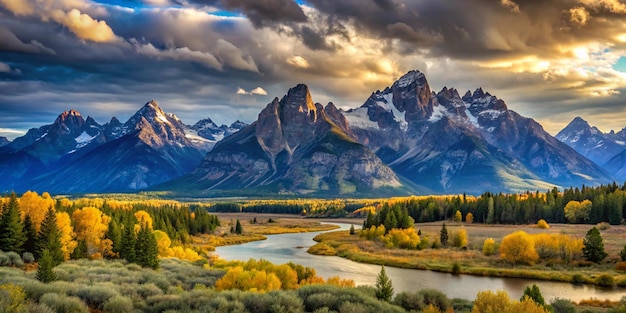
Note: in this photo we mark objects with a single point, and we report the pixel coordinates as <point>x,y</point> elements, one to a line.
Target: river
<point>284,248</point>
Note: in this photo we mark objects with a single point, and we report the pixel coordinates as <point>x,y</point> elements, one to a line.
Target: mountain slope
<point>152,149</point>
<point>470,144</point>
<point>295,147</point>
<point>591,142</point>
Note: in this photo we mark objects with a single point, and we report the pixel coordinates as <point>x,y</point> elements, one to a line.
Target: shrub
<point>118,304</point>
<point>350,307</point>
<point>620,266</point>
<point>63,304</point>
<point>456,268</point>
<point>605,280</point>
<point>4,259</point>
<point>15,258</point>
<point>28,257</point>
<point>96,296</point>
<point>603,226</point>
<point>621,283</point>
<point>459,238</point>
<point>409,301</point>
<point>563,306</point>
<point>542,224</point>
<point>320,300</point>
<point>579,279</point>
<point>12,298</point>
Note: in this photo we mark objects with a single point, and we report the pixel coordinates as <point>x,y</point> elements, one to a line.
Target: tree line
<point>52,231</point>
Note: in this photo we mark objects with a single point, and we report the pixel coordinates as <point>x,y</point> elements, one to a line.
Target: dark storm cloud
<point>478,29</point>
<point>261,12</point>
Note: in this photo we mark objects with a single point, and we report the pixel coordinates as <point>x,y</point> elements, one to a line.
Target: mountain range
<point>77,155</point>
<point>405,139</point>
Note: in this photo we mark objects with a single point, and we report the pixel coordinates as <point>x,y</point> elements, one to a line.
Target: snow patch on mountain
<point>439,111</point>
<point>83,139</point>
<point>358,118</point>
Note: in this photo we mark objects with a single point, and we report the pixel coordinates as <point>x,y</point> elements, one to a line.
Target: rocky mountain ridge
<point>295,147</point>
<point>448,143</point>
<point>74,154</point>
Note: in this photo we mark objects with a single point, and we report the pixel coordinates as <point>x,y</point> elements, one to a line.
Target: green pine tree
<point>534,293</point>
<point>80,252</point>
<point>146,249</point>
<point>49,238</point>
<point>30,245</point>
<point>114,233</point>
<point>593,249</point>
<point>384,286</point>
<point>352,231</point>
<point>622,254</point>
<point>238,228</point>
<point>12,236</point>
<point>127,243</point>
<point>443,236</point>
<point>45,273</point>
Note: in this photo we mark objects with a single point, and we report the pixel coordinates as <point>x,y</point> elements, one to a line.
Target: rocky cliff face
<point>296,147</point>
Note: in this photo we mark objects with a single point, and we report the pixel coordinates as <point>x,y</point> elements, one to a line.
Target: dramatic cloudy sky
<point>550,60</point>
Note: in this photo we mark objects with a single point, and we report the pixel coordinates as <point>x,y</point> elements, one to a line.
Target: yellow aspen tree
<point>163,244</point>
<point>490,302</point>
<point>33,205</point>
<point>469,218</point>
<point>489,246</point>
<point>90,225</point>
<point>143,217</point>
<point>68,243</point>
<point>518,248</point>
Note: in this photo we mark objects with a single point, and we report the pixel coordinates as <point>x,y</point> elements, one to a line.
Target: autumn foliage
<point>518,248</point>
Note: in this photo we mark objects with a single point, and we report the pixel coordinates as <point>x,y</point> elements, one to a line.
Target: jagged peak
<point>298,98</point>
<point>67,114</point>
<point>114,121</point>
<point>331,106</point>
<point>409,78</point>
<point>478,93</point>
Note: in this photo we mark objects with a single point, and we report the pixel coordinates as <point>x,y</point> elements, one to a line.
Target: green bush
<point>350,307</point>
<point>456,268</point>
<point>28,257</point>
<point>563,306</point>
<point>15,259</point>
<point>63,304</point>
<point>39,308</point>
<point>320,300</point>
<point>579,278</point>
<point>4,259</point>
<point>461,305</point>
<point>118,304</point>
<point>95,296</point>
<point>605,280</point>
<point>409,301</point>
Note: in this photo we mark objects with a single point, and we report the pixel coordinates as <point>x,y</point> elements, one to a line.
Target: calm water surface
<point>284,248</point>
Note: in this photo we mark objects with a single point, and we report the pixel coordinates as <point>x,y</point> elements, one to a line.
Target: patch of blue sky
<point>620,65</point>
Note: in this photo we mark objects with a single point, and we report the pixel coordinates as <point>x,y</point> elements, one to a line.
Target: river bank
<point>255,228</point>
<point>471,261</point>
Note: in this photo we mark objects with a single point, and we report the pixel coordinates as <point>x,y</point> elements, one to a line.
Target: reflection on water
<point>285,248</point>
